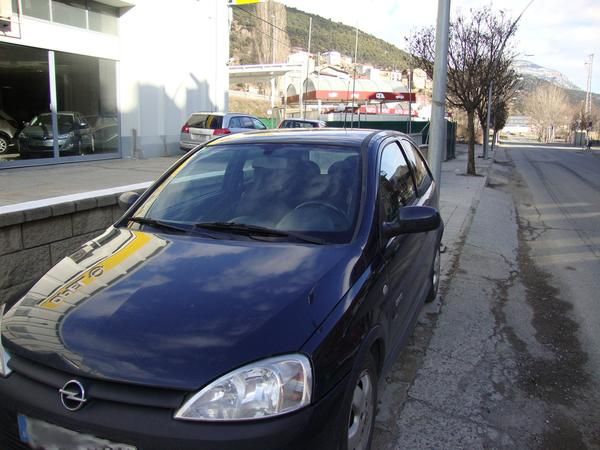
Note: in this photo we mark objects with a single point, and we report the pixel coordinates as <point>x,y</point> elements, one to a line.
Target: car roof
<point>220,114</point>
<point>328,136</point>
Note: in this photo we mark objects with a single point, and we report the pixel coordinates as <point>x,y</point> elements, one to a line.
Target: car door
<point>401,253</point>
<point>235,124</point>
<point>426,197</point>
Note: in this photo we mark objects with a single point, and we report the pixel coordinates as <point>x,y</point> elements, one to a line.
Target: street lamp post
<point>437,130</point>
<point>486,136</point>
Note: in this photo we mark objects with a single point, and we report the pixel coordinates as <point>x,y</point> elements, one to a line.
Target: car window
<point>210,121</point>
<point>235,122</point>
<point>258,124</point>
<point>188,186</point>
<point>396,186</point>
<point>246,122</point>
<point>422,177</point>
<point>304,188</point>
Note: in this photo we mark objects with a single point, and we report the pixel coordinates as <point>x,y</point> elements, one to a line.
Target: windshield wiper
<point>158,224</point>
<point>255,230</point>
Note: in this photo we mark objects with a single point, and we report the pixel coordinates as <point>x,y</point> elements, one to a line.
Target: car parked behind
<point>302,123</point>
<point>250,299</point>
<point>201,127</point>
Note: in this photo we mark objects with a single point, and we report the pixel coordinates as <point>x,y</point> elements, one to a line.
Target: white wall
<point>173,59</point>
<point>53,36</point>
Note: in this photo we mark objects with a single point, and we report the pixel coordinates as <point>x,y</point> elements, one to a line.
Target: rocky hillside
<point>250,39</point>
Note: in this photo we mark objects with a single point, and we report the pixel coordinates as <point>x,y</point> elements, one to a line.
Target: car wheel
<point>435,278</point>
<point>3,145</point>
<point>359,413</point>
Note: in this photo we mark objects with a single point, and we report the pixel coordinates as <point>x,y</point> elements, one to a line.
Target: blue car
<point>250,299</point>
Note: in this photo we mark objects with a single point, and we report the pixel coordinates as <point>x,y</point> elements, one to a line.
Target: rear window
<point>210,121</point>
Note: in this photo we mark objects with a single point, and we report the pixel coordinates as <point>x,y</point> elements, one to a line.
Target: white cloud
<point>560,35</point>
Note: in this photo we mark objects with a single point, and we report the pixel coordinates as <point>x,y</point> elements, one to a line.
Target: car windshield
<point>65,122</point>
<point>308,190</point>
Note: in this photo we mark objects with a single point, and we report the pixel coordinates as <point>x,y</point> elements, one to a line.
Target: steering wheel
<point>341,217</point>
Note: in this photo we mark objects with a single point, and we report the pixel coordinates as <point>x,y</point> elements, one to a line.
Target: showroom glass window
<point>86,122</point>
<point>87,14</point>
<point>92,120</point>
<point>24,95</point>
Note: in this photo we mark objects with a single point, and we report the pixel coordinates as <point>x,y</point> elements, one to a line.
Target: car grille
<point>9,432</point>
<point>99,390</point>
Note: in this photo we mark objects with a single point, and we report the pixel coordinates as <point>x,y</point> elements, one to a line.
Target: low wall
<point>33,240</point>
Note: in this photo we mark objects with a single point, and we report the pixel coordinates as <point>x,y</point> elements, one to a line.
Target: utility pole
<point>354,77</point>
<point>486,134</point>
<point>307,65</point>
<point>410,98</point>
<point>272,60</point>
<point>588,94</point>
<point>437,130</point>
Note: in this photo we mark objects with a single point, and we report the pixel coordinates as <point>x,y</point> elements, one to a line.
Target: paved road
<point>559,212</point>
<point>512,360</point>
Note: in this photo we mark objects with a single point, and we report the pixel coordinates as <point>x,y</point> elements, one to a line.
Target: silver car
<point>8,131</point>
<point>203,126</point>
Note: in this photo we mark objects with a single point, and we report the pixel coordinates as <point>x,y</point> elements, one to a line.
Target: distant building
<point>391,75</point>
<point>517,125</point>
<point>332,58</point>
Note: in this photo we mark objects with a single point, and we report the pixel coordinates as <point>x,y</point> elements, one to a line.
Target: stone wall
<point>33,240</point>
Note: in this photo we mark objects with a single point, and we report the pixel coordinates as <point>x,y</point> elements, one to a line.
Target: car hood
<point>173,311</point>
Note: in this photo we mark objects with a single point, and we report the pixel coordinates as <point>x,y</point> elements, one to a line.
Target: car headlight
<point>266,388</point>
<point>4,357</point>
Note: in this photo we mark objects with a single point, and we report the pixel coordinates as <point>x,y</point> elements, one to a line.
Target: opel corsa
<point>250,299</point>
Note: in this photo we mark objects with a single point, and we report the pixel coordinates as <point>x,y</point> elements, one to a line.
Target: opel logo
<point>72,395</point>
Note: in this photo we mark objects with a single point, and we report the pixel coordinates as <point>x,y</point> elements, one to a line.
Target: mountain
<point>534,76</point>
<point>248,29</point>
<point>530,69</point>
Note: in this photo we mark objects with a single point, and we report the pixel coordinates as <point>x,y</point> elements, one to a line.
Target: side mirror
<point>413,219</point>
<point>127,199</point>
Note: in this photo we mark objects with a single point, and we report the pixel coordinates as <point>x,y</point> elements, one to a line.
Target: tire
<point>359,408</point>
<point>435,277</point>
<point>4,142</point>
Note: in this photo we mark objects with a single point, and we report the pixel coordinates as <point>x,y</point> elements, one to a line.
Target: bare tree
<point>548,108</point>
<point>478,45</point>
<point>504,82</point>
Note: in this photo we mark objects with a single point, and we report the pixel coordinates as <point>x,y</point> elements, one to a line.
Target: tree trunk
<point>494,139</point>
<point>471,137</point>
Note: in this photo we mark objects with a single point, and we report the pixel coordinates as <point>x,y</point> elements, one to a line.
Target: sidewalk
<point>459,199</point>
<point>22,185</point>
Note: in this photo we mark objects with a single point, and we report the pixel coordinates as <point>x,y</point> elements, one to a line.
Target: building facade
<point>94,79</point>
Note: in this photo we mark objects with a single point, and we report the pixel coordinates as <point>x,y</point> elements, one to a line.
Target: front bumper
<point>155,428</point>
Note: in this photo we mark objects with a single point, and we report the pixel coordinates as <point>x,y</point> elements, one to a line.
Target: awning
<point>338,90</point>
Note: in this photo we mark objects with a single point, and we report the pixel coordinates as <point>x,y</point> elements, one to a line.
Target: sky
<point>556,34</point>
